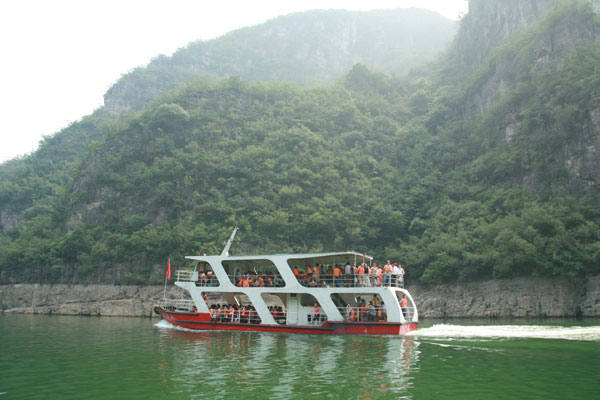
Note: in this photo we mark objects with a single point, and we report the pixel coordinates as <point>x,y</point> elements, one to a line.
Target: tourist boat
<point>291,293</point>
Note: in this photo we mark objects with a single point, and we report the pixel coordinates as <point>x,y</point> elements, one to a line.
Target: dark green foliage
<point>393,166</point>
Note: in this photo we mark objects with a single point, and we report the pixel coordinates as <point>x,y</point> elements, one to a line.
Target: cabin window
<point>366,307</point>
<point>253,273</point>
<point>206,276</point>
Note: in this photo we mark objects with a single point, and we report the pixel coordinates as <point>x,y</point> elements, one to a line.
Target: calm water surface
<point>61,357</point>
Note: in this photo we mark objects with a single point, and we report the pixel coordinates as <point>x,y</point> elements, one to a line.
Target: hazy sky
<point>59,57</point>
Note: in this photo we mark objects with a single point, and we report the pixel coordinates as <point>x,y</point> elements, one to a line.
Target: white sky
<point>59,57</point>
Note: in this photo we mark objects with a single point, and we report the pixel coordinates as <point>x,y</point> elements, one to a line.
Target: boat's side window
<point>255,273</point>
<point>366,307</point>
<point>206,276</point>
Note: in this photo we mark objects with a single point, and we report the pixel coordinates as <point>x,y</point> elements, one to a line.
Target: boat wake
<point>588,333</point>
<point>164,324</point>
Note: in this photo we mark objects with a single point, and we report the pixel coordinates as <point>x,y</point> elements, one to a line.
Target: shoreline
<point>505,298</point>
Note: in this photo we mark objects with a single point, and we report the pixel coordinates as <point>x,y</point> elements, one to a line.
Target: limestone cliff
<point>542,297</point>
<point>512,54</point>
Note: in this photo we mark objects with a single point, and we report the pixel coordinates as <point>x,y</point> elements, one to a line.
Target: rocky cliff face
<point>542,297</point>
<point>506,46</point>
<point>506,41</point>
<point>490,22</point>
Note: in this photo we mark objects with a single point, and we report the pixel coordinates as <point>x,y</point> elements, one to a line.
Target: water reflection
<point>284,366</point>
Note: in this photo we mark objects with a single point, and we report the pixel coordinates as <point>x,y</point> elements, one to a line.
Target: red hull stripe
<point>201,322</point>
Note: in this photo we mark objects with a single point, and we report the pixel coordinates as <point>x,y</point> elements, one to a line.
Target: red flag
<point>169,270</point>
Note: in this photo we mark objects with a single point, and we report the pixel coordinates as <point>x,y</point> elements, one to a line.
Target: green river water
<point>63,357</point>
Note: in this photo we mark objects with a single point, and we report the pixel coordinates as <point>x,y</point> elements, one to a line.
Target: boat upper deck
<point>312,270</point>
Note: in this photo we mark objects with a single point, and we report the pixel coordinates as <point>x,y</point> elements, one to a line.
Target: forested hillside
<point>481,165</point>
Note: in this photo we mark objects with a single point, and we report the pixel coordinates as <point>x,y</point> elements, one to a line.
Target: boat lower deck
<point>204,322</point>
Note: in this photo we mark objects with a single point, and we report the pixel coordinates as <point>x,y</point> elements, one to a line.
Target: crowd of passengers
<point>257,279</point>
<point>246,314</point>
<point>373,311</point>
<point>351,275</point>
<point>207,278</point>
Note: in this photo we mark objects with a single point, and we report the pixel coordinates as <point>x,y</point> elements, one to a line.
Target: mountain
<point>480,165</point>
<point>309,48</point>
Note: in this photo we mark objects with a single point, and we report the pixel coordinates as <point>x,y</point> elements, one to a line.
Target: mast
<point>225,252</point>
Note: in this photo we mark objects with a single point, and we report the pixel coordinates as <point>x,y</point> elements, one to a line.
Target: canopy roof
<point>297,259</point>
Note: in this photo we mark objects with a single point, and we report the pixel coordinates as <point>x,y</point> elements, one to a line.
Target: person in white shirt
<point>395,275</point>
<point>401,276</point>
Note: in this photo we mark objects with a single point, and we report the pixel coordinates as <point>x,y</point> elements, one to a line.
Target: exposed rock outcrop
<point>521,297</point>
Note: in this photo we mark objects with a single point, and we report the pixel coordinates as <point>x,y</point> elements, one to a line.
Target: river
<point>68,357</point>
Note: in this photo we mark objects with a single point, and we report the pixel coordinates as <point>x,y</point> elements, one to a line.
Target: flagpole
<point>167,276</point>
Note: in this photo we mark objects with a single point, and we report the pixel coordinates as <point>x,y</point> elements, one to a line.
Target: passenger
<point>244,315</point>
<point>354,316</point>
<point>337,275</point>
<point>303,278</point>
<point>277,281</point>
<point>348,275</point>
<point>371,313</point>
<point>282,313</point>
<point>363,311</point>
<point>362,275</point>
<point>348,311</point>
<point>231,313</point>
<point>366,280</point>
<point>317,316</point>
<point>395,275</point>
<point>317,272</point>
<point>201,279</point>
<point>309,270</point>
<point>379,276</point>
<point>403,304</point>
<point>387,274</point>
<point>218,312</point>
<point>329,278</point>
<point>401,276</point>
<point>211,310</point>
<point>354,275</point>
<point>312,281</point>
<point>225,313</point>
<point>373,275</point>
<point>234,313</point>
<point>296,272</point>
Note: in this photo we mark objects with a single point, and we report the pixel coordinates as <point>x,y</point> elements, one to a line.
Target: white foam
<point>164,324</point>
<point>591,333</point>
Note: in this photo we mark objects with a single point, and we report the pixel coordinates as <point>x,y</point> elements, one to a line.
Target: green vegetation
<point>392,166</point>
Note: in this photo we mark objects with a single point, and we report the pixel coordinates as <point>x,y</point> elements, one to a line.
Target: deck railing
<point>314,280</point>
<point>321,280</point>
<point>177,304</point>
<point>374,314</point>
<point>185,275</point>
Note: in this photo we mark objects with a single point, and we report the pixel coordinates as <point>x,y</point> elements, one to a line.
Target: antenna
<point>225,252</point>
